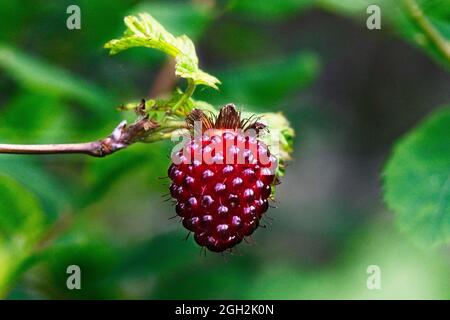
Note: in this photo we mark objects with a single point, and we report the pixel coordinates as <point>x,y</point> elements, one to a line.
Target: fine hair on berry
<point>222,178</point>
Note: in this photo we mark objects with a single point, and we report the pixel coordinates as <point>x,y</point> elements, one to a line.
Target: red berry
<point>222,180</point>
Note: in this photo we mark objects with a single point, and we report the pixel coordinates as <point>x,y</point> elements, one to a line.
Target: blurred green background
<point>349,92</point>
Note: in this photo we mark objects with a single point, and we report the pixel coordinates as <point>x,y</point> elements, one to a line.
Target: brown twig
<point>165,80</point>
<point>122,136</point>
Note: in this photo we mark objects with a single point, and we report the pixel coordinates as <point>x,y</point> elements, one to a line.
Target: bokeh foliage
<point>59,85</point>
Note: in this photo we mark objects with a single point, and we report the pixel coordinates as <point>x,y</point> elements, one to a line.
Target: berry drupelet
<point>222,178</point>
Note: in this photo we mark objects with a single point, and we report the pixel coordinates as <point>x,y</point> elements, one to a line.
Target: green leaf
<point>190,18</point>
<point>214,279</point>
<point>203,105</point>
<point>407,272</point>
<point>103,175</point>
<point>51,192</point>
<point>21,214</point>
<point>348,7</point>
<point>48,121</point>
<point>398,16</point>
<point>267,84</point>
<point>96,257</point>
<point>21,222</point>
<point>417,181</point>
<point>405,21</point>
<point>37,75</point>
<point>161,254</point>
<point>145,31</point>
<point>12,22</point>
<point>280,133</point>
<point>273,9</point>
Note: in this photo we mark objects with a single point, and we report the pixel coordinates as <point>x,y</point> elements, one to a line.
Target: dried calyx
<point>228,118</point>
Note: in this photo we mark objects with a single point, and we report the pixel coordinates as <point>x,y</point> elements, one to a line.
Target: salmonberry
<point>222,178</point>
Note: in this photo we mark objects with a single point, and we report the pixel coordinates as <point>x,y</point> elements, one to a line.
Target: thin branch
<point>165,79</point>
<point>119,139</point>
<point>442,44</point>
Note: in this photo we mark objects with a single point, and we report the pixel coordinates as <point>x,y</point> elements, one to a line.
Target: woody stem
<point>122,136</point>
